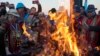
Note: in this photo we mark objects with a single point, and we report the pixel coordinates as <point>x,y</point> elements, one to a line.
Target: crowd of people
<point>39,25</point>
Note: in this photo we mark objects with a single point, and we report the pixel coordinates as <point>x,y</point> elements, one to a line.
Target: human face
<point>12,18</point>
<point>90,14</point>
<point>33,11</point>
<point>21,11</point>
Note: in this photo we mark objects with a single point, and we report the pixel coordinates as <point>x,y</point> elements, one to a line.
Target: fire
<point>25,31</point>
<point>65,43</point>
<point>66,39</point>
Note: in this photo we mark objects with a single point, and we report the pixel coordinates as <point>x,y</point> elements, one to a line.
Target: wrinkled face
<point>33,11</point>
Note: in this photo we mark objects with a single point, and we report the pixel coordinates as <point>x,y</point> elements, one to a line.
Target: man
<point>33,14</point>
<point>14,32</point>
<point>3,20</point>
<point>93,20</point>
<point>33,9</point>
<point>52,14</point>
<point>22,10</point>
<point>83,11</point>
<point>78,19</point>
<point>2,9</point>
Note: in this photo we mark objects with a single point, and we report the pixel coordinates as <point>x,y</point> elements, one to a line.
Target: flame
<point>98,48</point>
<point>63,41</point>
<point>66,39</point>
<point>25,31</point>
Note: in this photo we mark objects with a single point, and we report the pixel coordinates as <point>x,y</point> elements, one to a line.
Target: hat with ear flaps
<point>13,12</point>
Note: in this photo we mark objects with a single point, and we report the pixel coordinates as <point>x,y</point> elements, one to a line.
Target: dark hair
<point>3,12</point>
<point>98,12</point>
<point>25,10</point>
<point>53,10</point>
<point>3,4</point>
<point>33,8</point>
<point>11,6</point>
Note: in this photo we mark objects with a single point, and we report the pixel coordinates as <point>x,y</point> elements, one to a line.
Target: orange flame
<point>64,36</point>
<point>66,39</point>
<point>25,31</point>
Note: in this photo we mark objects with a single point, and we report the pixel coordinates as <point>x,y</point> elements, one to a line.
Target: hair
<point>53,10</point>
<point>33,8</point>
<point>3,12</point>
<point>25,10</point>
<point>12,6</point>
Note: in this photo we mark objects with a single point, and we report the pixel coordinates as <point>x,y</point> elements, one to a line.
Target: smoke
<point>66,4</point>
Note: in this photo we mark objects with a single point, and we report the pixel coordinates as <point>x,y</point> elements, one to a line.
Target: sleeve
<point>39,8</point>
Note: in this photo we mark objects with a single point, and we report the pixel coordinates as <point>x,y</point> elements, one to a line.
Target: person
<point>22,11</point>
<point>52,15</point>
<point>33,18</point>
<point>44,24</point>
<point>14,32</point>
<point>33,14</point>
<point>83,12</point>
<point>92,20</point>
<point>78,19</point>
<point>33,9</point>
<point>2,9</point>
<point>3,19</point>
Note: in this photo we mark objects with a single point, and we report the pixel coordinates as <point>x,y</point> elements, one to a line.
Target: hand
<point>36,2</point>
